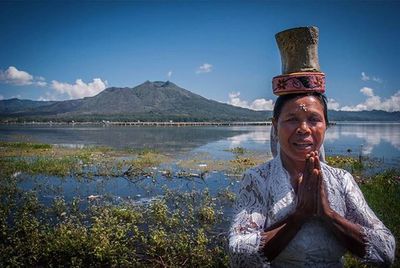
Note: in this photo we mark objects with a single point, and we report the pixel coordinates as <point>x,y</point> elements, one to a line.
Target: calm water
<point>380,141</point>
<point>369,139</point>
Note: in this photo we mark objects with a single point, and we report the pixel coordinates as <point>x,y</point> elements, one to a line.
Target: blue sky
<point>222,50</point>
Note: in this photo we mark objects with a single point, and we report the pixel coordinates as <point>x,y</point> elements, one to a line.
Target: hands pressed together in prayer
<point>312,199</point>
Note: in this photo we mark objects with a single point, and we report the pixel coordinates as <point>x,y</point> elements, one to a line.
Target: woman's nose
<point>303,128</point>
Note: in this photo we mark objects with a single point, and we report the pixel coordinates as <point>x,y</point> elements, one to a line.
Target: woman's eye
<point>315,119</point>
<point>291,119</point>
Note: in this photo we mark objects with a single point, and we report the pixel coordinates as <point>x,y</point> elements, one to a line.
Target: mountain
<point>153,101</point>
<point>150,101</point>
<point>374,115</point>
<point>15,105</point>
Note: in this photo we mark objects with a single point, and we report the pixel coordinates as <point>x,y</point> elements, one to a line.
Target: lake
<point>373,140</point>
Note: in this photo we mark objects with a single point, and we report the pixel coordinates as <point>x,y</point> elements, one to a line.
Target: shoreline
<point>182,124</point>
<point>143,123</point>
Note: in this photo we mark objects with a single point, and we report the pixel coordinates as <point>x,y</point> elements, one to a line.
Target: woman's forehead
<point>303,103</point>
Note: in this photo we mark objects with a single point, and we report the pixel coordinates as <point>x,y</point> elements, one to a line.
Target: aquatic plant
<point>241,164</point>
<point>226,195</point>
<point>24,145</point>
<point>174,229</point>
<point>39,165</point>
<point>351,164</point>
<point>382,192</point>
<point>238,150</point>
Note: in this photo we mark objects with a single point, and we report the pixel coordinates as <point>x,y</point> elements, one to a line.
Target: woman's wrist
<point>328,216</point>
<point>299,217</point>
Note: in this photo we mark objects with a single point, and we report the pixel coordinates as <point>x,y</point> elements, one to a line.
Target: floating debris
<point>16,174</point>
<point>92,198</point>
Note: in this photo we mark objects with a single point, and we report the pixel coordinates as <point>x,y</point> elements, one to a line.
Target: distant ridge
<point>153,101</point>
<point>150,101</point>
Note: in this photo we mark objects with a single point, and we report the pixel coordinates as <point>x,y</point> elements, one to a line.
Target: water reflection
<point>368,139</point>
<point>260,135</point>
<point>375,140</point>
<point>160,138</point>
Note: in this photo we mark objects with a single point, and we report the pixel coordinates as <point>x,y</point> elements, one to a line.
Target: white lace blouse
<point>266,197</point>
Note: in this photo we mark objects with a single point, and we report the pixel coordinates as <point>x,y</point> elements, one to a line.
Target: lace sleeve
<point>380,243</point>
<point>248,222</point>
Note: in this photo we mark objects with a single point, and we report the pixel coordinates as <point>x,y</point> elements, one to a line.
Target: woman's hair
<point>281,100</point>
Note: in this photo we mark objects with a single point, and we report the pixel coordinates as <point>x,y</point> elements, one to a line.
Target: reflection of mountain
<point>374,115</point>
<point>159,138</point>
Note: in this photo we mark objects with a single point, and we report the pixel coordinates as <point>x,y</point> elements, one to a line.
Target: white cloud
<point>374,102</point>
<point>205,68</point>
<point>1,97</point>
<point>41,81</point>
<point>80,89</point>
<point>369,92</point>
<point>377,79</point>
<point>41,84</point>
<point>42,98</point>
<point>48,97</point>
<point>333,104</point>
<point>20,78</point>
<point>365,77</point>
<point>16,77</point>
<point>258,104</point>
<point>262,104</point>
<point>169,75</point>
<point>16,96</point>
<point>236,101</point>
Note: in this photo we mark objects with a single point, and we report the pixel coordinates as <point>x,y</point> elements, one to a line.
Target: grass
<point>382,193</point>
<point>178,229</point>
<point>242,160</point>
<point>174,231</point>
<point>24,145</point>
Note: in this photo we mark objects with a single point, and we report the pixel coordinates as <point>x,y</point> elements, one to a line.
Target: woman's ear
<point>274,143</point>
<point>275,125</point>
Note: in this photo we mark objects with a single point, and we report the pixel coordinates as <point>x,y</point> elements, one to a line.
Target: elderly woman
<point>295,210</point>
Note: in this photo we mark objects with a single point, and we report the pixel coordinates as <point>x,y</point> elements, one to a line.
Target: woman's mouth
<point>303,145</point>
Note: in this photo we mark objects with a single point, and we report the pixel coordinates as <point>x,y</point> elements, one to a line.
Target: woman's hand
<point>308,187</point>
<point>324,210</point>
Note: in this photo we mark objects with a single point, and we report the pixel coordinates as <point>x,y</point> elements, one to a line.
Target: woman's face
<point>301,127</point>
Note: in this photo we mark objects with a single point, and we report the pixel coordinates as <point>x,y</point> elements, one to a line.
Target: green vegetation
<point>238,150</point>
<point>174,229</point>
<point>349,163</point>
<point>24,145</point>
<point>156,235</point>
<point>148,159</point>
<point>242,160</point>
<point>355,166</point>
<point>382,192</point>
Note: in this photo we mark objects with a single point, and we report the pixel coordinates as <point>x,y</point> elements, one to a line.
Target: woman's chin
<point>301,156</point>
<point>301,152</point>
